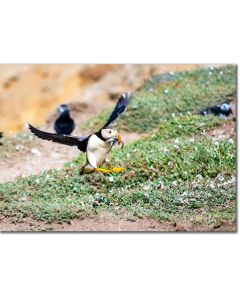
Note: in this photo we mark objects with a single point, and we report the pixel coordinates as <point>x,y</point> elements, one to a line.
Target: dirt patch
<point>226,130</point>
<point>108,222</point>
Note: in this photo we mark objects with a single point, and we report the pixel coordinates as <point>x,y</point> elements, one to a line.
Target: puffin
<point>1,135</point>
<point>64,124</point>
<point>222,110</point>
<point>97,145</point>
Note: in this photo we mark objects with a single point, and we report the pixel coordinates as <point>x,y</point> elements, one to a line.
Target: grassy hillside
<point>168,94</point>
<point>175,172</point>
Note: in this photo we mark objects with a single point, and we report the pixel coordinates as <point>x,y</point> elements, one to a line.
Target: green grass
<point>166,94</point>
<point>175,172</point>
<point>16,144</point>
<point>167,158</point>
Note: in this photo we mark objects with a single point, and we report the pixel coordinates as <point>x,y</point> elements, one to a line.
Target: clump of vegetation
<point>159,169</point>
<point>167,94</point>
<point>175,172</point>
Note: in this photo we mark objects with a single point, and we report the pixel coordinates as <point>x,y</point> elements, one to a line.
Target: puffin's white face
<point>111,135</point>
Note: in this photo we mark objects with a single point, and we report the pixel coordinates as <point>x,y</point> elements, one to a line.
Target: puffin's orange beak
<point>120,140</point>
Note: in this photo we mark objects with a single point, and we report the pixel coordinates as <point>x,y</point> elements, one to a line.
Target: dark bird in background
<point>222,110</point>
<point>64,124</point>
<point>96,145</point>
<point>1,135</point>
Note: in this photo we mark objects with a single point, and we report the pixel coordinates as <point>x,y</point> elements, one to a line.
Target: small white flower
<point>146,188</point>
<point>221,178</point>
<point>37,181</point>
<point>128,155</point>
<point>111,179</point>
<point>232,180</point>
<point>176,141</point>
<point>165,150</point>
<point>230,141</point>
<point>24,198</point>
<point>174,183</point>
<point>199,177</point>
<point>221,72</point>
<point>209,73</point>
<point>173,115</point>
<point>212,185</point>
<point>171,73</point>
<point>166,91</point>
<point>91,199</point>
<point>97,196</point>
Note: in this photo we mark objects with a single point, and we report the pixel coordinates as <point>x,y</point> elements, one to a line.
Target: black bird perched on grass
<point>222,110</point>
<point>64,124</point>
<point>96,145</point>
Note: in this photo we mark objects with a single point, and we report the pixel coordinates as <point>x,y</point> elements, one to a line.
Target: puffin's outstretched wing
<point>119,108</point>
<point>80,142</point>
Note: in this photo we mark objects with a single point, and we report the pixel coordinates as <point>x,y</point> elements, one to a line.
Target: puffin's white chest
<point>96,150</point>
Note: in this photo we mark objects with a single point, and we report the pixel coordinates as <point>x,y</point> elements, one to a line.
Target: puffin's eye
<point>109,131</point>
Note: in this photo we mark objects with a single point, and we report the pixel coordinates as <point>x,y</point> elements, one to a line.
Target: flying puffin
<point>96,145</point>
<point>222,110</point>
<point>64,124</point>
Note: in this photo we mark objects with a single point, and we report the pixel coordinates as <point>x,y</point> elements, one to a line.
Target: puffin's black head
<point>63,109</point>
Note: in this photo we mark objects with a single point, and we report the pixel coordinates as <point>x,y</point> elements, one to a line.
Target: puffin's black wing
<point>80,142</point>
<point>120,107</point>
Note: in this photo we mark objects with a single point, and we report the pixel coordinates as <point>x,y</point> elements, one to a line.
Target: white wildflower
<point>176,141</point>
<point>97,196</point>
<point>199,177</point>
<point>174,183</point>
<point>212,185</point>
<point>91,199</point>
<point>146,188</point>
<point>220,178</point>
<point>111,178</point>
